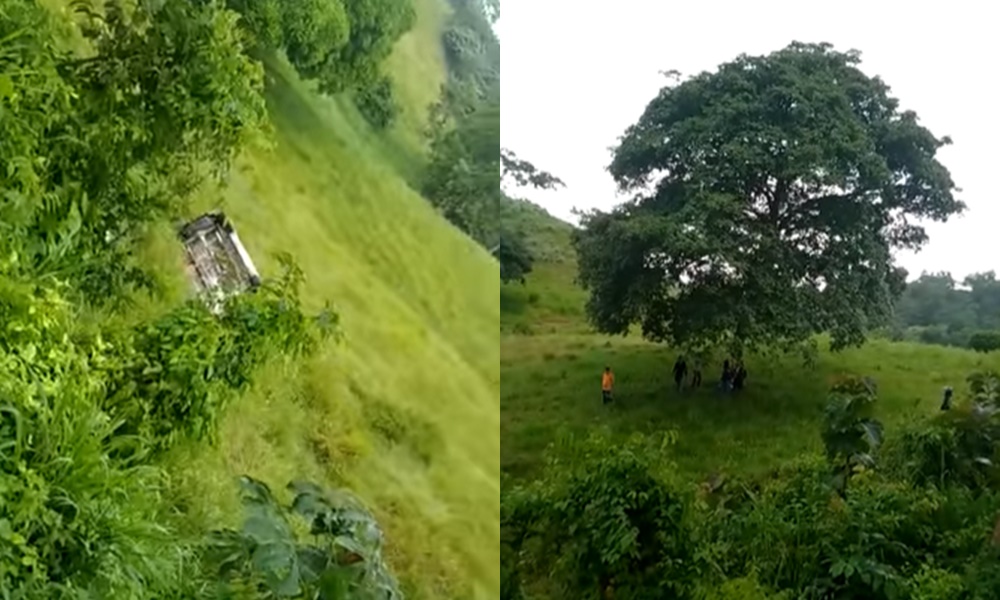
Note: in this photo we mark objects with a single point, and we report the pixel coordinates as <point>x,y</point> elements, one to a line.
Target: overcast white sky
<point>576,74</point>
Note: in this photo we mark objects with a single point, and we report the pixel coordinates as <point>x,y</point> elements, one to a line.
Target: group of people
<point>734,376</point>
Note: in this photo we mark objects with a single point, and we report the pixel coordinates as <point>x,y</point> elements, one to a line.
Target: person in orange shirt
<point>607,384</point>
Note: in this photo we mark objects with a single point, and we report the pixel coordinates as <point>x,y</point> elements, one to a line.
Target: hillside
<point>403,411</point>
<point>328,429</point>
<point>551,361</point>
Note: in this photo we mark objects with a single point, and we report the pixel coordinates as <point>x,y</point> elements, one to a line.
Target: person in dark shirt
<point>740,377</point>
<point>946,401</point>
<point>727,377</point>
<point>680,370</point>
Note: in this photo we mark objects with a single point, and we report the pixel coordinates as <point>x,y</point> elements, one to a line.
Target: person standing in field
<point>680,370</point>
<point>727,377</point>
<point>739,377</point>
<point>607,384</point>
<point>696,373</point>
<point>946,400</point>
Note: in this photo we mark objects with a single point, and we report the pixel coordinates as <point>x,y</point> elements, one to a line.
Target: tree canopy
<point>768,197</point>
<point>338,43</point>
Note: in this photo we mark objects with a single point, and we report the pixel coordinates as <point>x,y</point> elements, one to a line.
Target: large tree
<point>768,197</point>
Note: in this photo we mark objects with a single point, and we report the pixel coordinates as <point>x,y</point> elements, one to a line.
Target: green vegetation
<point>129,411</point>
<point>344,560</point>
<point>936,309</point>
<point>339,44</point>
<point>812,482</point>
<point>461,179</point>
<point>762,226</point>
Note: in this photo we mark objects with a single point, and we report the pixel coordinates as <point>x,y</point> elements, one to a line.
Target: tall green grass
<point>551,363</point>
<point>405,410</point>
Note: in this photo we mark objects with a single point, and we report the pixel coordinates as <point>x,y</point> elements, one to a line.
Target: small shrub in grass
<point>960,446</point>
<point>522,328</point>
<point>850,435</point>
<point>985,341</point>
<point>377,103</point>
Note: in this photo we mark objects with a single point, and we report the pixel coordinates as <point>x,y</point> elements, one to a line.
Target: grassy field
<point>550,365</point>
<point>405,410</point>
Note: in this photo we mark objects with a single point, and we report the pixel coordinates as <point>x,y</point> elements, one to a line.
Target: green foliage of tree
<point>768,197</point>
<point>313,31</point>
<point>985,341</point>
<point>98,147</point>
<point>463,182</point>
<point>377,103</point>
<point>340,44</point>
<point>937,309</point>
<point>375,27</point>
<point>473,50</point>
<point>341,557</point>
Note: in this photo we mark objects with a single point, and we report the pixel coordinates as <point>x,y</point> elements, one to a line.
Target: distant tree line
<point>938,309</point>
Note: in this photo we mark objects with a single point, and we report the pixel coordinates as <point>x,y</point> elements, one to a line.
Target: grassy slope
<point>405,411</point>
<point>551,378</point>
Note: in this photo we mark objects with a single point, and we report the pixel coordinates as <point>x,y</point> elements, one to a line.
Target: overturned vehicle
<point>217,263</point>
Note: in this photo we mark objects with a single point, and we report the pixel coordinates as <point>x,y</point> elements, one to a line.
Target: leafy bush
<point>74,521</point>
<point>510,583</point>
<point>338,43</point>
<point>850,435</point>
<point>604,521</point>
<point>893,533</point>
<point>175,377</point>
<point>985,341</point>
<point>960,446</point>
<point>799,535</point>
<point>377,104</point>
<point>341,557</point>
<point>97,148</point>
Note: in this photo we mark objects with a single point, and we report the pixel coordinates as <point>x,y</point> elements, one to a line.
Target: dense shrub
<point>604,523</point>
<point>79,415</point>
<point>960,446</point>
<point>97,148</point>
<point>174,377</point>
<point>850,435</point>
<point>340,44</point>
<point>922,525</point>
<point>377,103</point>
<point>985,341</point>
